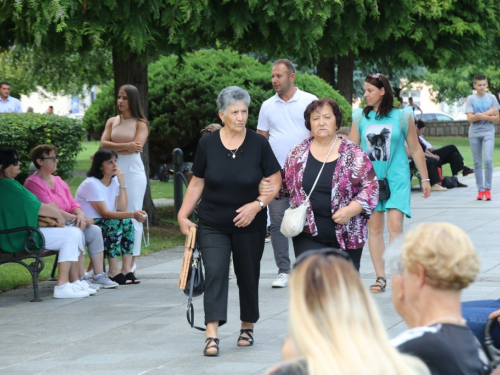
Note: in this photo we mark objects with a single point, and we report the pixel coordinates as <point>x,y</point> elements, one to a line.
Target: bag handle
<point>190,307</point>
<point>321,170</point>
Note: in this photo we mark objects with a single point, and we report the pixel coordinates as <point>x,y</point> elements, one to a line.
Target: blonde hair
<point>335,324</point>
<point>444,251</point>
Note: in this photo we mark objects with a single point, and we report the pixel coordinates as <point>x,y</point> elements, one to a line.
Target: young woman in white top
<point>126,134</point>
<point>103,197</point>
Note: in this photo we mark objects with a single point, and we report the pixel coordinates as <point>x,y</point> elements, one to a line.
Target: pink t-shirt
<point>60,194</point>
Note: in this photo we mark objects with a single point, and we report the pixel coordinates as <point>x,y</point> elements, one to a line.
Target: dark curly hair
<point>318,104</point>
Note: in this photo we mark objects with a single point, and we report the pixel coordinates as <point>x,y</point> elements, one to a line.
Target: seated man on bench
<point>445,155</point>
<point>20,208</point>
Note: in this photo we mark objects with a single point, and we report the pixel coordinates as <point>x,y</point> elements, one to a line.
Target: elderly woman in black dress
<point>228,167</point>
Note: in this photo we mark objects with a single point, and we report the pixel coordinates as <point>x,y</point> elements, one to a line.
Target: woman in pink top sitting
<point>52,189</point>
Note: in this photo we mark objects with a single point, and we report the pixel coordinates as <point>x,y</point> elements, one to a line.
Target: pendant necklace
<point>235,151</point>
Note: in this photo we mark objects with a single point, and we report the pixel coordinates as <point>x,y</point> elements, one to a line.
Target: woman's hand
<point>344,214</point>
<point>266,187</point>
<point>140,216</point>
<point>80,220</point>
<point>495,314</point>
<point>134,147</point>
<point>185,224</point>
<point>120,176</point>
<point>89,221</point>
<point>426,188</point>
<point>246,214</point>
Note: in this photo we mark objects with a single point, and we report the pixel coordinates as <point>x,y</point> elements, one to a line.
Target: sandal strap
<point>209,340</point>
<point>380,283</point>
<point>249,332</point>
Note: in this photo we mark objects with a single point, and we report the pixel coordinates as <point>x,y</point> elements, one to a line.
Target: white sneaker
<point>68,291</point>
<point>79,285</point>
<point>281,281</point>
<point>104,281</point>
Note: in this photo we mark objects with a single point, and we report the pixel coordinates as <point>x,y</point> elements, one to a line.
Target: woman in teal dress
<point>382,131</point>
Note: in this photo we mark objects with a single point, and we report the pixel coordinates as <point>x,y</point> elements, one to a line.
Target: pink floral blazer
<point>353,179</point>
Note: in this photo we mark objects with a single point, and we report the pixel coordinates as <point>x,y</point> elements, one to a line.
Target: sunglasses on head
<point>376,76</point>
<point>326,252</point>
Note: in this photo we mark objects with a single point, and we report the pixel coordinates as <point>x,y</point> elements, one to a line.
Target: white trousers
<point>135,180</point>
<point>68,241</point>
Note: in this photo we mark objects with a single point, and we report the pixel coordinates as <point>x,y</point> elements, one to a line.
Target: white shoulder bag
<point>295,217</point>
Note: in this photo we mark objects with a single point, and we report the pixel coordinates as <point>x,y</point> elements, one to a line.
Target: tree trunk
<point>326,70</point>
<point>132,70</point>
<point>345,76</point>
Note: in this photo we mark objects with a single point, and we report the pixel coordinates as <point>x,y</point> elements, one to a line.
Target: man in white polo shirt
<point>281,120</point>
<point>8,104</point>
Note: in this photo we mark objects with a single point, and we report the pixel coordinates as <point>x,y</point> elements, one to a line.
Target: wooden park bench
<point>32,260</point>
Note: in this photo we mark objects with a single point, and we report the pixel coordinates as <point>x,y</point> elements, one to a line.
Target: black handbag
<point>384,192</point>
<point>195,286</point>
<point>449,182</point>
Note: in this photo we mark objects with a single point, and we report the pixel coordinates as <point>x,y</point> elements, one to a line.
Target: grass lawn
<point>463,146</point>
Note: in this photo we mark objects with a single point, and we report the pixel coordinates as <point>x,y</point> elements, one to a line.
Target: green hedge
<point>24,131</point>
<point>182,95</point>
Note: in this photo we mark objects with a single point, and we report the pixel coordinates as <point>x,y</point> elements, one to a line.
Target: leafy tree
<point>137,32</point>
<point>182,96</point>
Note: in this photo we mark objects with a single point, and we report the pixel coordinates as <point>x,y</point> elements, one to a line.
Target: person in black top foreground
<point>431,267</point>
<point>228,167</point>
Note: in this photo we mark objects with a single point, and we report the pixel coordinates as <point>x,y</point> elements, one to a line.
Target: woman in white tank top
<point>126,134</point>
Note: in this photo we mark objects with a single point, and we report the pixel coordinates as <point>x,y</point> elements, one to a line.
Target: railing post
<point>177,161</point>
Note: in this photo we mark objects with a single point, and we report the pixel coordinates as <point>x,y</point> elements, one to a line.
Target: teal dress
<point>383,140</point>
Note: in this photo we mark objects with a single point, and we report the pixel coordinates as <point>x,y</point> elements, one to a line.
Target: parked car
<point>434,116</point>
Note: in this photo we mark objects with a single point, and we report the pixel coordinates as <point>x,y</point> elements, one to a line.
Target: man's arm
<point>264,133</point>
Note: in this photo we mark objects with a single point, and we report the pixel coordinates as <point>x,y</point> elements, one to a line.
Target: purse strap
<point>321,170</point>
<point>190,307</point>
<point>401,124</point>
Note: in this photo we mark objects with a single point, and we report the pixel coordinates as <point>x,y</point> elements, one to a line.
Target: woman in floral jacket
<point>347,189</point>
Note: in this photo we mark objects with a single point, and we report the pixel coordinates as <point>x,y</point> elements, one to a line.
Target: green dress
<point>384,142</point>
<point>19,208</point>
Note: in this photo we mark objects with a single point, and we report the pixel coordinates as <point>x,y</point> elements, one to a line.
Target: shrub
<point>182,95</point>
<point>102,108</point>
<point>24,131</point>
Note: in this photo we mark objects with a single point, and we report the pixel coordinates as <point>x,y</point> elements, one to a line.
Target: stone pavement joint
<point>142,329</point>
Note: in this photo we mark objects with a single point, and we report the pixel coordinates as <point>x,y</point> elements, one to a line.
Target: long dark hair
<point>100,157</point>
<point>134,102</point>
<point>387,104</point>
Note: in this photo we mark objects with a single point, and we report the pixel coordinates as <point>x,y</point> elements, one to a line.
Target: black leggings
<point>432,170</point>
<point>302,244</point>
<point>216,248</point>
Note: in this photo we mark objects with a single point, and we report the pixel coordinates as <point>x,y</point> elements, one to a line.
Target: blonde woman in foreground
<point>335,327</point>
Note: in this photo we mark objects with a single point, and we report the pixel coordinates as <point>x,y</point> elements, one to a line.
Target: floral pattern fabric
<point>353,179</point>
<point>118,236</point>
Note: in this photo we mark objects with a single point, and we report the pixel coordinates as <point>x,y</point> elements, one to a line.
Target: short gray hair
<point>230,95</point>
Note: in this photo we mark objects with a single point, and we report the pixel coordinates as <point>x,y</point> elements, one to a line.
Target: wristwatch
<point>261,203</point>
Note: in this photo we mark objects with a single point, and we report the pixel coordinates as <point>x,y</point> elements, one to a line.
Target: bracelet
<point>132,215</point>
<point>426,179</point>
<point>123,187</point>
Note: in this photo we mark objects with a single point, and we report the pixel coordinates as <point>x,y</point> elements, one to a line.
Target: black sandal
<point>379,285</point>
<point>244,338</point>
<point>208,341</point>
<point>121,279</point>
<point>130,276</point>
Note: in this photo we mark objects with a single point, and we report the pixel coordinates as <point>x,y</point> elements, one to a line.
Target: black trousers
<point>302,244</point>
<point>247,249</point>
<point>450,155</point>
<point>432,166</point>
